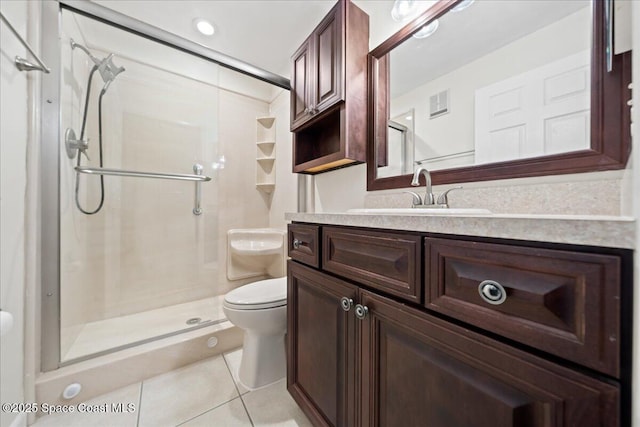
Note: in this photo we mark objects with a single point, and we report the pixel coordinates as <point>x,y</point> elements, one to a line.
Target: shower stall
<point>146,175</point>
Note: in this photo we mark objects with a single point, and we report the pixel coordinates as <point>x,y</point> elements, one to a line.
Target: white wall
<point>13,157</point>
<point>284,197</point>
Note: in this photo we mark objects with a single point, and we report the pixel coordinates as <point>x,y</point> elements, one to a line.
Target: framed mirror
<point>498,90</point>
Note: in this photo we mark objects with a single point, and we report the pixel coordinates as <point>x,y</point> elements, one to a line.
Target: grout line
<point>139,404</point>
<point>208,410</point>
<point>244,405</point>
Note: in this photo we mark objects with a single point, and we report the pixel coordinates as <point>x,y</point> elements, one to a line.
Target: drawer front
<point>386,261</point>
<point>304,244</point>
<point>565,303</point>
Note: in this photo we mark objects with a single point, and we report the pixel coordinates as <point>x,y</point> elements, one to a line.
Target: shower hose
<point>82,130</point>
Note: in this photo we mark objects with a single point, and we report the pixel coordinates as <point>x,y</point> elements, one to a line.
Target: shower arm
<point>85,50</point>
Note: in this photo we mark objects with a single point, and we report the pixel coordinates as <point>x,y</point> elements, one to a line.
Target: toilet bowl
<point>260,309</point>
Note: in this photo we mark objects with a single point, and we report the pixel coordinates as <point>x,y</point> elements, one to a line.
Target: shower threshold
<point>104,336</point>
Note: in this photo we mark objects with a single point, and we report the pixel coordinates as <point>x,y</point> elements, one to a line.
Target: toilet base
<point>263,360</point>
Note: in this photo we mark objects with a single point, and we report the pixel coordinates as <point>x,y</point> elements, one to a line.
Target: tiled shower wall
<point>146,249</point>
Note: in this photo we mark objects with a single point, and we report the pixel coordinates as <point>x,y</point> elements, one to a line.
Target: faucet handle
<point>417,200</point>
<point>443,199</point>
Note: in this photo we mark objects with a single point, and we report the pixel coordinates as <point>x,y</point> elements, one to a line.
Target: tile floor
<point>204,394</point>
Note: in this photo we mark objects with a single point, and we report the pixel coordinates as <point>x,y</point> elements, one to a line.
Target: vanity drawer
<point>386,261</point>
<point>303,243</point>
<point>562,302</point>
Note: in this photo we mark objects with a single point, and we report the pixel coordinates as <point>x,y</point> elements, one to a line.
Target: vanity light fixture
<point>402,9</point>
<point>462,5</point>
<point>427,30</point>
<point>203,26</point>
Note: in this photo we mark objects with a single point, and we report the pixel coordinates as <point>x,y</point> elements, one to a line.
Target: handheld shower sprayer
<point>108,72</point>
<point>107,69</point>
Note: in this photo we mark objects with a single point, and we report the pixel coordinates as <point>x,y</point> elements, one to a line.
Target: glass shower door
<point>139,263</point>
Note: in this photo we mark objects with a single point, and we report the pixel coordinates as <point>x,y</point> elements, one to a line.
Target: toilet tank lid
<point>260,292</point>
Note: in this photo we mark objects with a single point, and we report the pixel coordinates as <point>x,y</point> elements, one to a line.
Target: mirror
<point>497,90</point>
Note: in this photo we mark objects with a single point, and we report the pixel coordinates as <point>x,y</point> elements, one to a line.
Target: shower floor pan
<point>100,337</point>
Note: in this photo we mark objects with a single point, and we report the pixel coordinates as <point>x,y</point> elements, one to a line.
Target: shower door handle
<point>197,210</point>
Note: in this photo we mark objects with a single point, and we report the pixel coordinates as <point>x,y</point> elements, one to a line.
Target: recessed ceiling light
<point>402,9</point>
<point>427,30</point>
<point>203,26</point>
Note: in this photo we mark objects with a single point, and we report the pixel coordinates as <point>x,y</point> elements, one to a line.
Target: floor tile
<point>126,395</point>
<point>180,395</point>
<point>273,406</point>
<point>230,414</point>
<point>233,359</point>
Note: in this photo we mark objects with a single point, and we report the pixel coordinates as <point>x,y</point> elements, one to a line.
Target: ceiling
<point>263,33</point>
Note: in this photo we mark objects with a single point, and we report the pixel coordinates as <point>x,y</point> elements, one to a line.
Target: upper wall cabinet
<point>328,93</point>
<point>484,90</point>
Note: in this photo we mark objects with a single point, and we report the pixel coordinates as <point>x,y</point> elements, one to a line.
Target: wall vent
<point>439,104</point>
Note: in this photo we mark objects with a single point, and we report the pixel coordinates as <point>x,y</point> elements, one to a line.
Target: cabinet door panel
<point>301,76</point>
<point>328,56</point>
<point>566,303</point>
<point>320,346</point>
<point>304,243</point>
<point>387,261</point>
<point>418,370</point>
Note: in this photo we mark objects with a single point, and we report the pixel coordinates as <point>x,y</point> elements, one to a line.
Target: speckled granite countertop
<point>606,231</point>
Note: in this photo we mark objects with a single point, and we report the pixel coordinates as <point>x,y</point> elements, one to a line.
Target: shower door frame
<point>50,125</point>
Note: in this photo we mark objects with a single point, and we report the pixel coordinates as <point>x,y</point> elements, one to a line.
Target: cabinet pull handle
<point>361,311</point>
<point>296,243</point>
<point>346,303</point>
<point>492,292</point>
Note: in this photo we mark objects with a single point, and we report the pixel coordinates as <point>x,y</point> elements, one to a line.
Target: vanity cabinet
<point>363,353</point>
<point>328,92</point>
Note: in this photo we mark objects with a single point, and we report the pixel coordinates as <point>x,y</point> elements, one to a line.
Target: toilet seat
<point>258,295</point>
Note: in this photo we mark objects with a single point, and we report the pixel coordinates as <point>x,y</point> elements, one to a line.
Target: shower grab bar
<point>137,174</point>
<point>21,63</point>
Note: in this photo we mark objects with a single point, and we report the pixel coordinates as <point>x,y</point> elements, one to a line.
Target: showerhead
<point>108,71</point>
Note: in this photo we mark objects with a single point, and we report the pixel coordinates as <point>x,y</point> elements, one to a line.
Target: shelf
<point>265,154</point>
<point>267,188</point>
<point>266,122</point>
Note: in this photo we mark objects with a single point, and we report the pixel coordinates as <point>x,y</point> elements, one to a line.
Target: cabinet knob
<point>296,243</point>
<point>361,311</point>
<point>346,303</point>
<point>492,292</point>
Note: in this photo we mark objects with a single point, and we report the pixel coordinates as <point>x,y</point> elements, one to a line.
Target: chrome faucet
<point>429,199</point>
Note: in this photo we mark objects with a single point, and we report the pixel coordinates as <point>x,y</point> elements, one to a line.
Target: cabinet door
<point>418,370</point>
<point>301,84</point>
<point>327,52</point>
<point>320,346</point>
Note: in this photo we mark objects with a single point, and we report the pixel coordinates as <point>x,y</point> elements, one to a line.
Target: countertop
<point>604,231</point>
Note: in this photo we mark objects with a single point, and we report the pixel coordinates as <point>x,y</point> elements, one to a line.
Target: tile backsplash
<point>598,193</point>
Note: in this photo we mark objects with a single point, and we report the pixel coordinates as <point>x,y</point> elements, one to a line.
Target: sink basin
<point>421,211</point>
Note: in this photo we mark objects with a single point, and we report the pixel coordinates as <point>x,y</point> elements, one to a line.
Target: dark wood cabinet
<point>304,243</point>
<point>418,370</point>
<point>317,70</point>
<point>328,92</point>
<point>321,346</point>
<point>564,302</point>
<point>362,354</point>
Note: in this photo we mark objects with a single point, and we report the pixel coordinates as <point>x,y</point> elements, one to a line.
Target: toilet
<point>260,309</point>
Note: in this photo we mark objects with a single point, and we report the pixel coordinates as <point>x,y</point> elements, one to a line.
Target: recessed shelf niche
<point>266,154</point>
